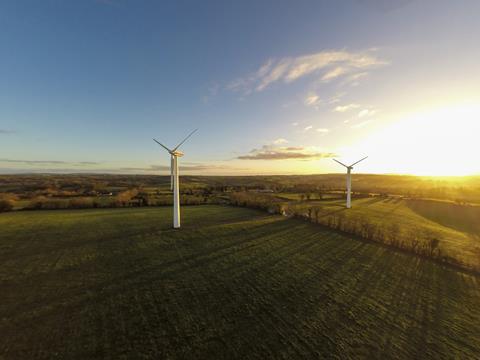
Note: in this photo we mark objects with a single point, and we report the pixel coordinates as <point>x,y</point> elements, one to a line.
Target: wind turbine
<point>349,180</point>
<point>174,180</point>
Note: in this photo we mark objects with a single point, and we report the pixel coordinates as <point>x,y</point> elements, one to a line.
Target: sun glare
<point>443,142</point>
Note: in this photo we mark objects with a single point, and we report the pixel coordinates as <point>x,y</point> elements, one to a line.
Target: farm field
<point>233,283</point>
<point>456,226</point>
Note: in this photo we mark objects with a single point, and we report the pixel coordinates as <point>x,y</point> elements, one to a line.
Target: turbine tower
<point>174,179</point>
<point>349,180</point>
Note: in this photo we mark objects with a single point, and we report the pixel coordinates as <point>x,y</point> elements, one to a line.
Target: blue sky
<point>273,86</point>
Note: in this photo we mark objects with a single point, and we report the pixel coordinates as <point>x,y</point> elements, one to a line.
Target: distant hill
<point>456,189</point>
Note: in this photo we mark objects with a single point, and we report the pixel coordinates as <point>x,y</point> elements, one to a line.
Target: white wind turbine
<point>174,180</point>
<point>349,180</point>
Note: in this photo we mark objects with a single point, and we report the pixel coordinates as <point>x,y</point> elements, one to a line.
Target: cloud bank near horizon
<point>14,166</point>
<point>272,152</point>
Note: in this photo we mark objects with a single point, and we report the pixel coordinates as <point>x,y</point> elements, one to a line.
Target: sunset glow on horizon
<point>273,89</point>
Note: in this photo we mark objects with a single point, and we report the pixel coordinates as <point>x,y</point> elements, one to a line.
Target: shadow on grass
<point>271,289</point>
<point>372,200</point>
<point>458,217</point>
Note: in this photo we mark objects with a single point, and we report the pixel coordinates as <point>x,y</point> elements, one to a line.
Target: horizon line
<point>236,175</point>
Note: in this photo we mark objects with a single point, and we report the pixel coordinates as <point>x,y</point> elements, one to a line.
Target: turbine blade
<point>359,161</point>
<point>159,143</point>
<point>340,163</point>
<point>184,140</point>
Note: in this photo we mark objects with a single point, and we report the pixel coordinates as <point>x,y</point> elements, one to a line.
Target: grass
<point>457,226</point>
<point>232,283</point>
<point>459,217</point>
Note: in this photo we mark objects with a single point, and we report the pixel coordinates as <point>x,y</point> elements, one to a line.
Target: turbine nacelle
<point>176,153</point>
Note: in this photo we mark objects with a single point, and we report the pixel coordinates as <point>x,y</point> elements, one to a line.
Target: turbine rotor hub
<point>177,153</point>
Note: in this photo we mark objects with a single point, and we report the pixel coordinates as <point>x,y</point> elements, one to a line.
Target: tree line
<point>415,239</point>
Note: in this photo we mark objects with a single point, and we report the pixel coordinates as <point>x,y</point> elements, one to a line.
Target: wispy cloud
<point>312,99</point>
<point>295,124</point>
<point>335,98</point>
<point>146,168</point>
<point>308,128</point>
<point>361,124</point>
<point>328,64</point>
<point>280,141</point>
<point>344,108</point>
<point>183,167</point>
<point>269,152</point>
<point>367,113</point>
<point>334,73</point>
<point>354,79</point>
<point>87,167</point>
<point>48,162</point>
<point>323,130</point>
<point>5,132</point>
<point>212,91</point>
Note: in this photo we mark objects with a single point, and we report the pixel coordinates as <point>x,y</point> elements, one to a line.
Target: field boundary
<point>280,209</point>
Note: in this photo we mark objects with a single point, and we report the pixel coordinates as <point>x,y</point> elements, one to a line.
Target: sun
<point>441,142</point>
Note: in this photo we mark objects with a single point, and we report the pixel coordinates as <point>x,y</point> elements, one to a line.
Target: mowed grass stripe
<point>446,221</point>
<point>233,283</point>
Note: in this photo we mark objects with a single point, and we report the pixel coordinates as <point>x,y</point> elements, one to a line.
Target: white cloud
<point>273,75</point>
<point>344,108</point>
<point>366,113</point>
<point>309,127</point>
<point>357,76</point>
<point>295,124</point>
<point>280,141</point>
<point>354,78</point>
<point>237,84</point>
<point>363,113</point>
<point>268,152</point>
<point>334,73</point>
<point>362,124</point>
<point>265,68</point>
<point>312,100</point>
<point>333,64</point>
<point>49,162</point>
<point>336,98</point>
<point>323,130</point>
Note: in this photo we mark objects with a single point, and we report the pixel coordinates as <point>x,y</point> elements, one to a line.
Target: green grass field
<point>457,226</point>
<point>232,283</point>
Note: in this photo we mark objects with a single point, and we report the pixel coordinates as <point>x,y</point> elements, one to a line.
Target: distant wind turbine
<point>349,180</point>
<point>174,178</point>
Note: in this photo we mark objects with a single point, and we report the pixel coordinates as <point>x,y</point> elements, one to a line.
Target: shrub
<point>36,203</point>
<point>51,204</point>
<point>6,205</point>
<point>81,203</point>
<point>432,245</point>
